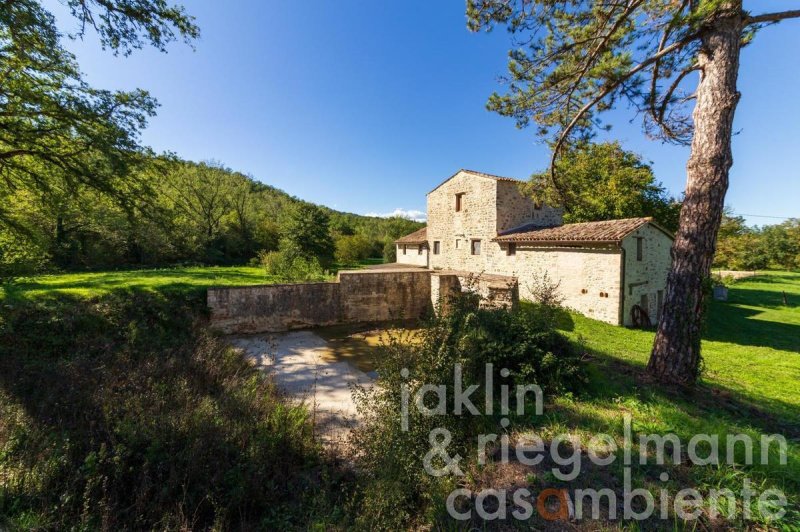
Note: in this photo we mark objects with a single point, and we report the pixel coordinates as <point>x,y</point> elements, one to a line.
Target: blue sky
<point>366,106</point>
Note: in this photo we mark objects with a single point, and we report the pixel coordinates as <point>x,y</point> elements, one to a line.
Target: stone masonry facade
<point>484,224</point>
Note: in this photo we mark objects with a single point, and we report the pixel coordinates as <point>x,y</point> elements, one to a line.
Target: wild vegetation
<point>757,248</point>
<point>121,411</point>
<point>602,181</point>
<point>750,387</point>
<point>192,213</point>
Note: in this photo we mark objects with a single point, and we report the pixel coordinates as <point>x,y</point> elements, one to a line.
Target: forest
<point>182,213</point>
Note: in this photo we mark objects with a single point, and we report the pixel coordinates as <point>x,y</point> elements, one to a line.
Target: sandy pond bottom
<point>320,367</point>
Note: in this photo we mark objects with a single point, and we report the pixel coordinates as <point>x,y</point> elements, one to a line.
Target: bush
<point>290,267</point>
<point>351,249</point>
<point>123,413</point>
<point>19,258</point>
<point>395,487</point>
<point>389,252</point>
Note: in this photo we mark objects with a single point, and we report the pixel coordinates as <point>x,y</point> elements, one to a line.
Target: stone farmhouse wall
<point>588,279</point>
<point>413,254</point>
<point>357,297</point>
<point>647,277</point>
<point>495,291</point>
<point>454,230</point>
<point>488,206</point>
<point>600,282</point>
<point>515,209</point>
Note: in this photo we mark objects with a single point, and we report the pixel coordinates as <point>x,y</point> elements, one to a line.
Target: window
<point>660,299</point>
<point>512,249</point>
<point>404,249</point>
<point>458,243</point>
<point>475,247</point>
<point>644,302</point>
<point>459,201</point>
<point>436,246</point>
<point>639,248</point>
<point>420,248</point>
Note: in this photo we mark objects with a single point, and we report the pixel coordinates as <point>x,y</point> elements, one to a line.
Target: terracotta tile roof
<point>479,174</point>
<point>419,236</point>
<point>605,232</point>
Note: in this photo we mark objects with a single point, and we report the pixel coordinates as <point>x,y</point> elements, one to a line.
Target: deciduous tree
<point>51,119</point>
<point>603,182</point>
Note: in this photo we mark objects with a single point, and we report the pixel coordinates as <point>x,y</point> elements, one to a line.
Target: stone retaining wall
<point>362,296</point>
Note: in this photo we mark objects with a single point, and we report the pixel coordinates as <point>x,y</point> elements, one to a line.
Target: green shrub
<point>352,248</point>
<point>19,258</point>
<point>291,267</point>
<point>123,413</point>
<point>395,488</point>
<point>389,252</point>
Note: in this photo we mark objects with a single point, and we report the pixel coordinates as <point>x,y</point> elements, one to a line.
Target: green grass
<point>93,284</point>
<point>177,280</point>
<point>751,347</point>
<point>750,385</point>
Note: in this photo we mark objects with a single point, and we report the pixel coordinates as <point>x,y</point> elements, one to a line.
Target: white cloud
<point>417,216</point>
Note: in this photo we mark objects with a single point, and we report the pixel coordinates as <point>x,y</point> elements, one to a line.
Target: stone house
<point>483,224</point>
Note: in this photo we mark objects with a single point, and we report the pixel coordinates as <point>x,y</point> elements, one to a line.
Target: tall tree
<point>602,182</point>
<point>575,59</point>
<point>306,232</point>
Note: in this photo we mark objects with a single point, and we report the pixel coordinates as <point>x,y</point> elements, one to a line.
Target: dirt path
<point>302,366</point>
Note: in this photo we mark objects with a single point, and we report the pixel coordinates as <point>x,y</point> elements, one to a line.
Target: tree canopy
<point>603,182</point>
<point>56,131</point>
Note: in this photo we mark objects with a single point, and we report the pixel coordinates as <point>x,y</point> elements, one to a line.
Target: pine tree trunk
<point>676,351</point>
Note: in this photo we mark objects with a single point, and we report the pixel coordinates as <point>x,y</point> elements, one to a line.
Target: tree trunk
<point>676,351</point>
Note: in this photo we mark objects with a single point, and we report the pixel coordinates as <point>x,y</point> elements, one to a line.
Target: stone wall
<point>372,296</point>
<point>495,291</point>
<point>514,209</point>
<point>272,308</point>
<point>357,297</point>
<point>488,206</point>
<point>455,230</point>
<point>646,277</point>
<point>589,279</point>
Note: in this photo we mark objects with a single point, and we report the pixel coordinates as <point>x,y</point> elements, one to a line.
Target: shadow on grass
<point>119,412</point>
<point>613,378</point>
<point>729,322</point>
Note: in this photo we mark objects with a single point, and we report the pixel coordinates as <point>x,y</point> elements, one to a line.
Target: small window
<point>512,249</point>
<point>436,247</point>
<point>660,299</point>
<point>405,248</point>
<point>459,201</point>
<point>644,302</point>
<point>475,247</point>
<point>639,248</point>
<point>458,243</point>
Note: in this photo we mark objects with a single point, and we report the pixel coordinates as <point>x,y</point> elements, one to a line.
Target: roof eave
<point>590,243</point>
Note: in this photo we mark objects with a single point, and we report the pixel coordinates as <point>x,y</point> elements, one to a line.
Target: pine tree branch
<point>772,17</point>
<point>611,87</point>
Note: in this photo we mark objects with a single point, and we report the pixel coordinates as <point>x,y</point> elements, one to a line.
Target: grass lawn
<point>751,385</point>
<point>164,280</point>
<point>92,284</point>
<point>751,347</point>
